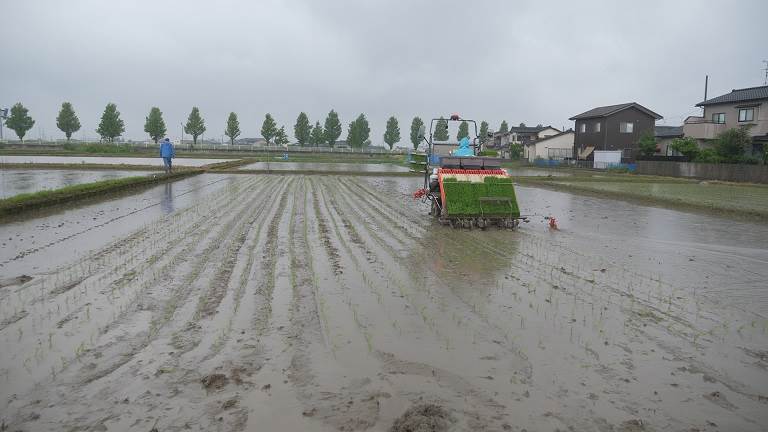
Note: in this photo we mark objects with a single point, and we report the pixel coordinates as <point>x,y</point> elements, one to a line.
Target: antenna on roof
<point>706,84</point>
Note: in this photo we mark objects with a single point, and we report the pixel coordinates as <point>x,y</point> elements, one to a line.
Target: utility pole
<point>3,116</point>
<point>765,81</point>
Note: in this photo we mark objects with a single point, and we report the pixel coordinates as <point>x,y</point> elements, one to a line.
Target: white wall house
<point>558,146</point>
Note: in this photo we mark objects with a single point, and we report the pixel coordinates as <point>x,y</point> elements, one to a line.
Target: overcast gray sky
<point>523,61</point>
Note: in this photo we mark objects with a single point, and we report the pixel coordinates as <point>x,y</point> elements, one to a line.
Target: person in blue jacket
<point>167,153</point>
<point>463,149</point>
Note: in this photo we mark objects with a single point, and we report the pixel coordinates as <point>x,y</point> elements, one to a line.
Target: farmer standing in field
<point>167,153</point>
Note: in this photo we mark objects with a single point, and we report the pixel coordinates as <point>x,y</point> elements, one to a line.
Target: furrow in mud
<point>578,295</point>
<point>161,307</point>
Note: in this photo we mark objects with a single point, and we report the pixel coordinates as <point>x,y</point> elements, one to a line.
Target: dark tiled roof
<point>605,111</point>
<point>669,131</point>
<point>569,131</point>
<point>739,95</point>
<point>527,129</point>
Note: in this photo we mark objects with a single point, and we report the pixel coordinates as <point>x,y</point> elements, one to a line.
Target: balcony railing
<point>701,128</point>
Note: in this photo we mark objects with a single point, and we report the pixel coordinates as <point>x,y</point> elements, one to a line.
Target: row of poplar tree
<point>112,126</point>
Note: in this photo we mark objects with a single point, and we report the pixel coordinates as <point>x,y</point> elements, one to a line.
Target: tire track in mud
<point>174,296</point>
<point>369,240</point>
<point>348,401</point>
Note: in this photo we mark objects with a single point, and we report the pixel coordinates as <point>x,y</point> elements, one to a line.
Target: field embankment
<point>70,194</point>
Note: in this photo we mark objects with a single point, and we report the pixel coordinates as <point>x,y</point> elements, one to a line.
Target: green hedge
<point>463,197</point>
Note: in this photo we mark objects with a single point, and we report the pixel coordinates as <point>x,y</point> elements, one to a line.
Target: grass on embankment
<point>46,198</point>
<point>729,199</point>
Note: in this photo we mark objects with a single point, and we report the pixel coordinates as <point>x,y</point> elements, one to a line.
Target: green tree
<point>515,151</point>
<point>392,134</point>
<point>332,129</point>
<point>302,129</point>
<point>416,138</point>
<point>195,125</point>
<point>504,128</point>
<point>483,131</point>
<point>647,144</point>
<point>522,124</point>
<point>441,130</point>
<point>111,125</point>
<point>463,131</point>
<point>233,128</point>
<point>358,132</point>
<point>685,146</point>
<point>155,126</point>
<point>19,121</point>
<point>731,145</point>
<point>317,136</point>
<point>281,138</point>
<point>67,120</point>
<point>268,128</point>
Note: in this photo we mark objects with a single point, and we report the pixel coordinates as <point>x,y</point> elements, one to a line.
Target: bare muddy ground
<point>333,303</point>
<point>17,181</point>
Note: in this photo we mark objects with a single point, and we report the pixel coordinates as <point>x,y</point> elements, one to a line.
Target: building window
<point>626,127</point>
<point>583,128</point>
<point>746,114</point>
<point>597,127</point>
<point>718,118</point>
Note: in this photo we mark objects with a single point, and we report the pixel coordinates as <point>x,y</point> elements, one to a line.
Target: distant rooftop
<point>738,95</point>
<point>605,111</point>
<point>669,131</point>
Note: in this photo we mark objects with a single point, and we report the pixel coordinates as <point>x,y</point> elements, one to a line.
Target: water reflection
<point>166,204</point>
<point>16,181</point>
<point>325,166</point>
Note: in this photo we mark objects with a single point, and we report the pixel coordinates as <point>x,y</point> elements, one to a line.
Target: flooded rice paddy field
<point>106,160</point>
<point>742,197</point>
<point>18,181</point>
<point>324,166</point>
<point>533,172</point>
<point>271,302</point>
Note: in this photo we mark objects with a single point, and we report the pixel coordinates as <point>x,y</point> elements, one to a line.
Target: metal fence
<point>571,163</point>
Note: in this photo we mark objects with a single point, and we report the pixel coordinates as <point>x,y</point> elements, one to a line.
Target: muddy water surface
<point>324,166</point>
<point>106,160</point>
<point>14,182</point>
<point>334,303</point>
<point>42,241</point>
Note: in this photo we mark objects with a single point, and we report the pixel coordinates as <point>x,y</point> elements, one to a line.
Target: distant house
<point>552,147</point>
<point>664,137</point>
<point>520,135</point>
<point>747,107</point>
<point>613,127</point>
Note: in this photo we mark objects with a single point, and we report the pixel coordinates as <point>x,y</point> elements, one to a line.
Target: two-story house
<point>612,127</point>
<point>747,107</point>
<point>521,135</point>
